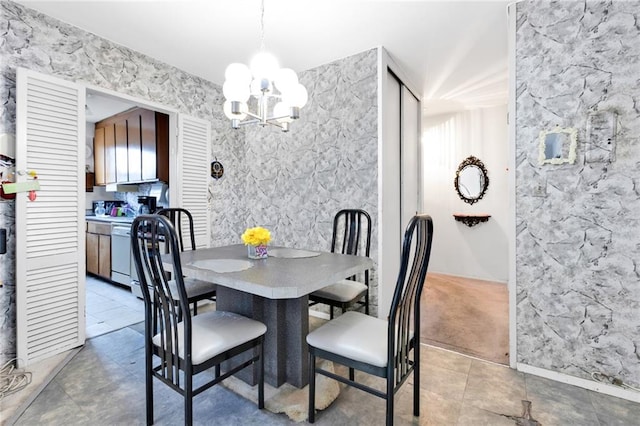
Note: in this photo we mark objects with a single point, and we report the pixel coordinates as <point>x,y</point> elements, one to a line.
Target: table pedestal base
<point>286,357</point>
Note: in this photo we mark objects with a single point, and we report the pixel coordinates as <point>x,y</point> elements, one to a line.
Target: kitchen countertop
<point>111,219</point>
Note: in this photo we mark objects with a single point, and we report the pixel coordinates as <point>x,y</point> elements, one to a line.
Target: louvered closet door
<point>194,154</point>
<point>50,231</point>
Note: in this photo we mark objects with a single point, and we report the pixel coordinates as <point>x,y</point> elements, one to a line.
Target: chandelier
<point>273,92</point>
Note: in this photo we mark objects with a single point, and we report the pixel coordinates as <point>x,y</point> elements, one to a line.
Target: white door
<point>410,153</point>
<point>50,231</point>
<point>389,202</point>
<point>193,157</point>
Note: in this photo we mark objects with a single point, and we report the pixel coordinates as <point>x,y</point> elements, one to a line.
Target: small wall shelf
<point>471,219</point>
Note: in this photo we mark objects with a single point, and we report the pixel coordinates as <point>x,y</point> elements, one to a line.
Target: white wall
<point>481,251</point>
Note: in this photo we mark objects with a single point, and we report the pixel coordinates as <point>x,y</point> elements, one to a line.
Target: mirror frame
<point>570,134</point>
<point>472,161</point>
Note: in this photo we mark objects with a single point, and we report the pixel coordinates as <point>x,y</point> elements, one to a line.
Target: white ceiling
<point>453,52</point>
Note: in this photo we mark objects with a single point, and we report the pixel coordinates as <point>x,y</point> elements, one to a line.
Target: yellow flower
<point>256,236</point>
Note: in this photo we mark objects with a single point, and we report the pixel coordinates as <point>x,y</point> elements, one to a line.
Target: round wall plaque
<point>217,170</point>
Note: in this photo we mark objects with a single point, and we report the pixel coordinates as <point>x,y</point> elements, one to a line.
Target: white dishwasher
<point>122,265</point>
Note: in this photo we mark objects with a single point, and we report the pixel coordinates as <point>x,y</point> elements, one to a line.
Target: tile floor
<point>110,307</point>
<point>104,385</point>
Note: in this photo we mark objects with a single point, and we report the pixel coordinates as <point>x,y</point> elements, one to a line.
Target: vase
<point>257,252</point>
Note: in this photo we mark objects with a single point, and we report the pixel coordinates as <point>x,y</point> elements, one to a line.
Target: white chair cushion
<point>342,291</point>
<point>355,336</point>
<point>215,332</point>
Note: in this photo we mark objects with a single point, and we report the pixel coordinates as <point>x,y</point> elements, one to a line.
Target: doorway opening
<point>466,297</point>
<point>112,301</point>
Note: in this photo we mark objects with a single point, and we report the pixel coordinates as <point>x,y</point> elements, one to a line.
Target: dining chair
<point>387,348</point>
<point>351,235</point>
<point>197,290</point>
<point>178,347</point>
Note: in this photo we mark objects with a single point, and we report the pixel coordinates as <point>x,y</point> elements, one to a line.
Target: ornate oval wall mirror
<point>472,180</point>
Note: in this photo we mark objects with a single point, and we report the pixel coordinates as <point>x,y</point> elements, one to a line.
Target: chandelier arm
<point>252,115</point>
<point>274,118</point>
<point>247,122</point>
<point>260,121</point>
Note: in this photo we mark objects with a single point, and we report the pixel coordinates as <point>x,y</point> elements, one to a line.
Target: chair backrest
<point>404,315</point>
<point>351,232</point>
<point>178,217</point>
<point>154,239</point>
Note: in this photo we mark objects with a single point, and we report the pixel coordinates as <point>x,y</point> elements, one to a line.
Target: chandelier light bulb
<point>236,91</point>
<point>285,80</point>
<point>297,97</point>
<point>239,73</point>
<point>264,65</point>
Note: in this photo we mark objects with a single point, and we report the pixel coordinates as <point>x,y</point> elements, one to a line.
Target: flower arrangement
<point>256,240</point>
<point>257,236</point>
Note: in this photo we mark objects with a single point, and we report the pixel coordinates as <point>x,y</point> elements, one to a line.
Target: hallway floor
<point>466,316</point>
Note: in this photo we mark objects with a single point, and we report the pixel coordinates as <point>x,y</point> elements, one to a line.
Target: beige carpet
<point>288,399</point>
<point>466,316</point>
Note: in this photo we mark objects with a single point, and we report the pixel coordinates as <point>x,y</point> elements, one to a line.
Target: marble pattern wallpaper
<point>41,43</point>
<point>327,162</point>
<point>578,229</point>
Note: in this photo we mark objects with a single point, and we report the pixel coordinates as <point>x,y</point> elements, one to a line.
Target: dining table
<point>275,291</point>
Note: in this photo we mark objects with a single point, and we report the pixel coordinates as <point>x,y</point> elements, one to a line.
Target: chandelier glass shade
<point>274,93</point>
<point>262,93</point>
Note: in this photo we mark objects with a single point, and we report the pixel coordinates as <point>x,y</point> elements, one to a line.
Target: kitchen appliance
<point>123,268</point>
<point>147,204</point>
<point>160,190</point>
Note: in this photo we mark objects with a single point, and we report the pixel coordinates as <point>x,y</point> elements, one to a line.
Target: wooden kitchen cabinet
<point>132,147</point>
<point>122,163</point>
<point>99,249</point>
<point>110,153</point>
<point>98,157</point>
<point>89,181</point>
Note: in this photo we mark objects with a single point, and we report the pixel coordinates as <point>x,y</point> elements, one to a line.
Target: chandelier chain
<point>262,47</point>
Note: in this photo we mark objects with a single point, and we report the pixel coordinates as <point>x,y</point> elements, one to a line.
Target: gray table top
<point>289,274</point>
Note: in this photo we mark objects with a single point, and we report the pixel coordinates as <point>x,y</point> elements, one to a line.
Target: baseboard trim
<point>579,382</point>
<point>466,277</point>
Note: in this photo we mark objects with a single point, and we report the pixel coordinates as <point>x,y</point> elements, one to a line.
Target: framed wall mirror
<point>558,146</point>
<point>472,180</point>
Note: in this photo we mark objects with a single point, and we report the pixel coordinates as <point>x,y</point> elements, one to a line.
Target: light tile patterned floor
<point>110,307</point>
<point>104,385</point>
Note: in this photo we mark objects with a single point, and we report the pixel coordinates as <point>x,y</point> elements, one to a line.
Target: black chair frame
<point>404,312</point>
<point>151,235</point>
<point>354,220</point>
<point>174,214</point>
